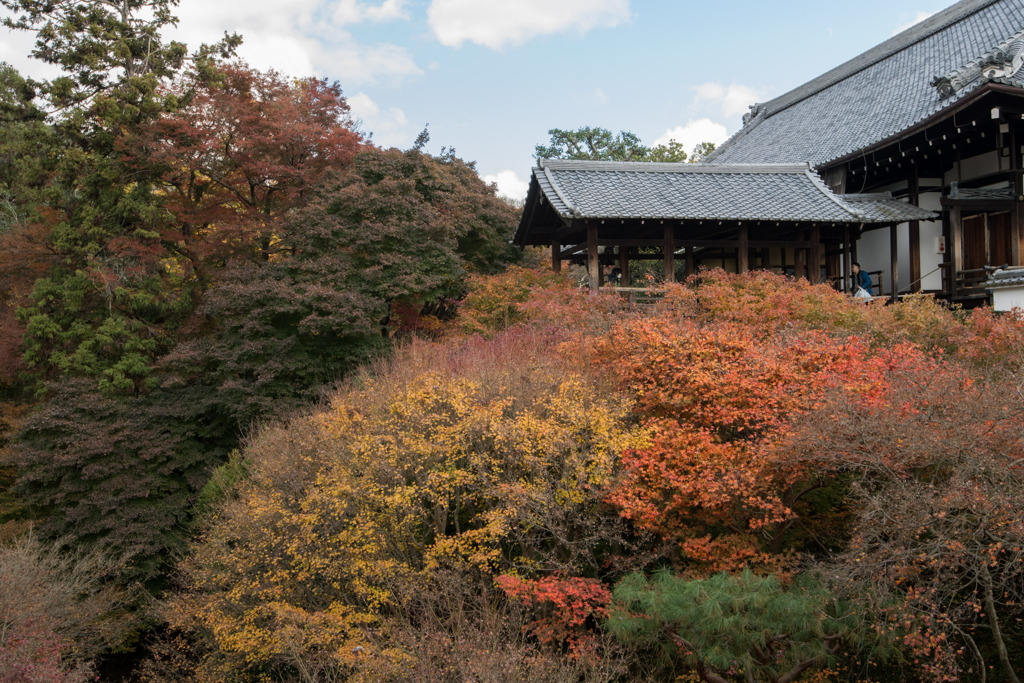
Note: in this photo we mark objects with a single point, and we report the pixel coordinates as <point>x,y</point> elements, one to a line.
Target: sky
<point>491,77</point>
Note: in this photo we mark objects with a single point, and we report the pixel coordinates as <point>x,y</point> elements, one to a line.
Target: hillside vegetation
<point>758,480</point>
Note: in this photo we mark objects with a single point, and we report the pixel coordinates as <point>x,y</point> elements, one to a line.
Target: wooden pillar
<point>955,249</point>
<point>670,254</point>
<point>691,260</point>
<point>593,260</point>
<point>800,266</point>
<point>1017,217</point>
<point>894,276</point>
<point>624,264</point>
<point>915,238</point>
<point>814,256</point>
<point>847,260</point>
<point>743,251</point>
<point>556,257</point>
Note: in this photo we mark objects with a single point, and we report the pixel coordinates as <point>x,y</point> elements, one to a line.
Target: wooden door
<point>1000,251</point>
<point>975,238</point>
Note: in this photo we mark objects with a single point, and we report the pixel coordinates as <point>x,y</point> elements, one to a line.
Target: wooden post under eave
<point>593,260</point>
<point>691,260</point>
<point>800,264</point>
<point>956,255</point>
<point>624,265</point>
<point>915,239</point>
<point>670,254</point>
<point>1017,217</point>
<point>743,251</point>
<point>556,257</point>
<point>847,260</point>
<point>814,256</point>
<point>894,275</point>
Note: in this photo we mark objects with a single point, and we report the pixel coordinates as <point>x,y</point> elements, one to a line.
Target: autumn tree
<point>57,615</point>
<point>477,460</point>
<point>934,458</point>
<point>241,147</point>
<point>27,150</point>
<point>372,246</point>
<point>717,398</point>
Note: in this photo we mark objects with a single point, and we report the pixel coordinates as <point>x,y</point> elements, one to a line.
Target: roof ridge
<point>939,21</point>
<point>667,167</point>
<point>823,188</point>
<point>569,204</point>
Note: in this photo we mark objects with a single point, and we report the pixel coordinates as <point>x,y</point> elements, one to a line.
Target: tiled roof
<point>1011,277</point>
<point>680,191</point>
<point>888,89</point>
<point>882,208</point>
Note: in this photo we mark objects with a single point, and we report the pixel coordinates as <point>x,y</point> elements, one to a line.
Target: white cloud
<point>732,99</point>
<point>500,23</point>
<point>390,127</point>
<point>694,133</point>
<point>918,18</point>
<point>15,47</point>
<point>509,183</point>
<point>300,37</point>
<point>353,11</point>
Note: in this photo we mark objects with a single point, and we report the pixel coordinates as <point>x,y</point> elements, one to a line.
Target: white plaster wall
<point>931,231</point>
<point>873,250</point>
<point>973,167</point>
<point>1007,298</point>
<point>873,254</point>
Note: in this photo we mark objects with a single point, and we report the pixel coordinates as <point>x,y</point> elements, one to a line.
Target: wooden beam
<point>571,250</point>
<point>894,277</point>
<point>915,237</point>
<point>710,244</point>
<point>743,251</point>
<point>556,257</point>
<point>669,247</point>
<point>593,262</point>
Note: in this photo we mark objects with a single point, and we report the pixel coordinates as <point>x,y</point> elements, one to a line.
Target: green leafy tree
<point>373,247</point>
<point>728,626</point>
<point>600,144</point>
<point>593,143</point>
<point>110,301</point>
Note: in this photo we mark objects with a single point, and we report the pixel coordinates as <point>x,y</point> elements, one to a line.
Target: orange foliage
<point>565,608</point>
<point>716,399</point>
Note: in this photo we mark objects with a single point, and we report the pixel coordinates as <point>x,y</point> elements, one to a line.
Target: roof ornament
<point>1003,61</point>
<point>756,109</point>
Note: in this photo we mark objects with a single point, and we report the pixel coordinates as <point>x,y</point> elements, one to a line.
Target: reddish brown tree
<point>244,145</point>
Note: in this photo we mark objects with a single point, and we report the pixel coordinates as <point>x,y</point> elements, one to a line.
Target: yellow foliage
<point>351,510</point>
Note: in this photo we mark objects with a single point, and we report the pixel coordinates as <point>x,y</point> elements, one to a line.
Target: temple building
<point>907,158</point>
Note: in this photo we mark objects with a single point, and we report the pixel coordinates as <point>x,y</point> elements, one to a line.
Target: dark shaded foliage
<point>118,473</point>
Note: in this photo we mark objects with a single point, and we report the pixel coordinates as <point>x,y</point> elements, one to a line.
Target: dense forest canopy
<point>276,404</point>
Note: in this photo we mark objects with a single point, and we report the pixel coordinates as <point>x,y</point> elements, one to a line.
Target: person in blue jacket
<point>861,280</point>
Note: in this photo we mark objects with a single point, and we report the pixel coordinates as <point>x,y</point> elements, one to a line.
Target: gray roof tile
<point>1011,277</point>
<point>733,192</point>
<point>882,208</point>
<point>879,93</point>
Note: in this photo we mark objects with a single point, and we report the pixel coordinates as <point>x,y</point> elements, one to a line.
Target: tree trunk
<point>993,621</point>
